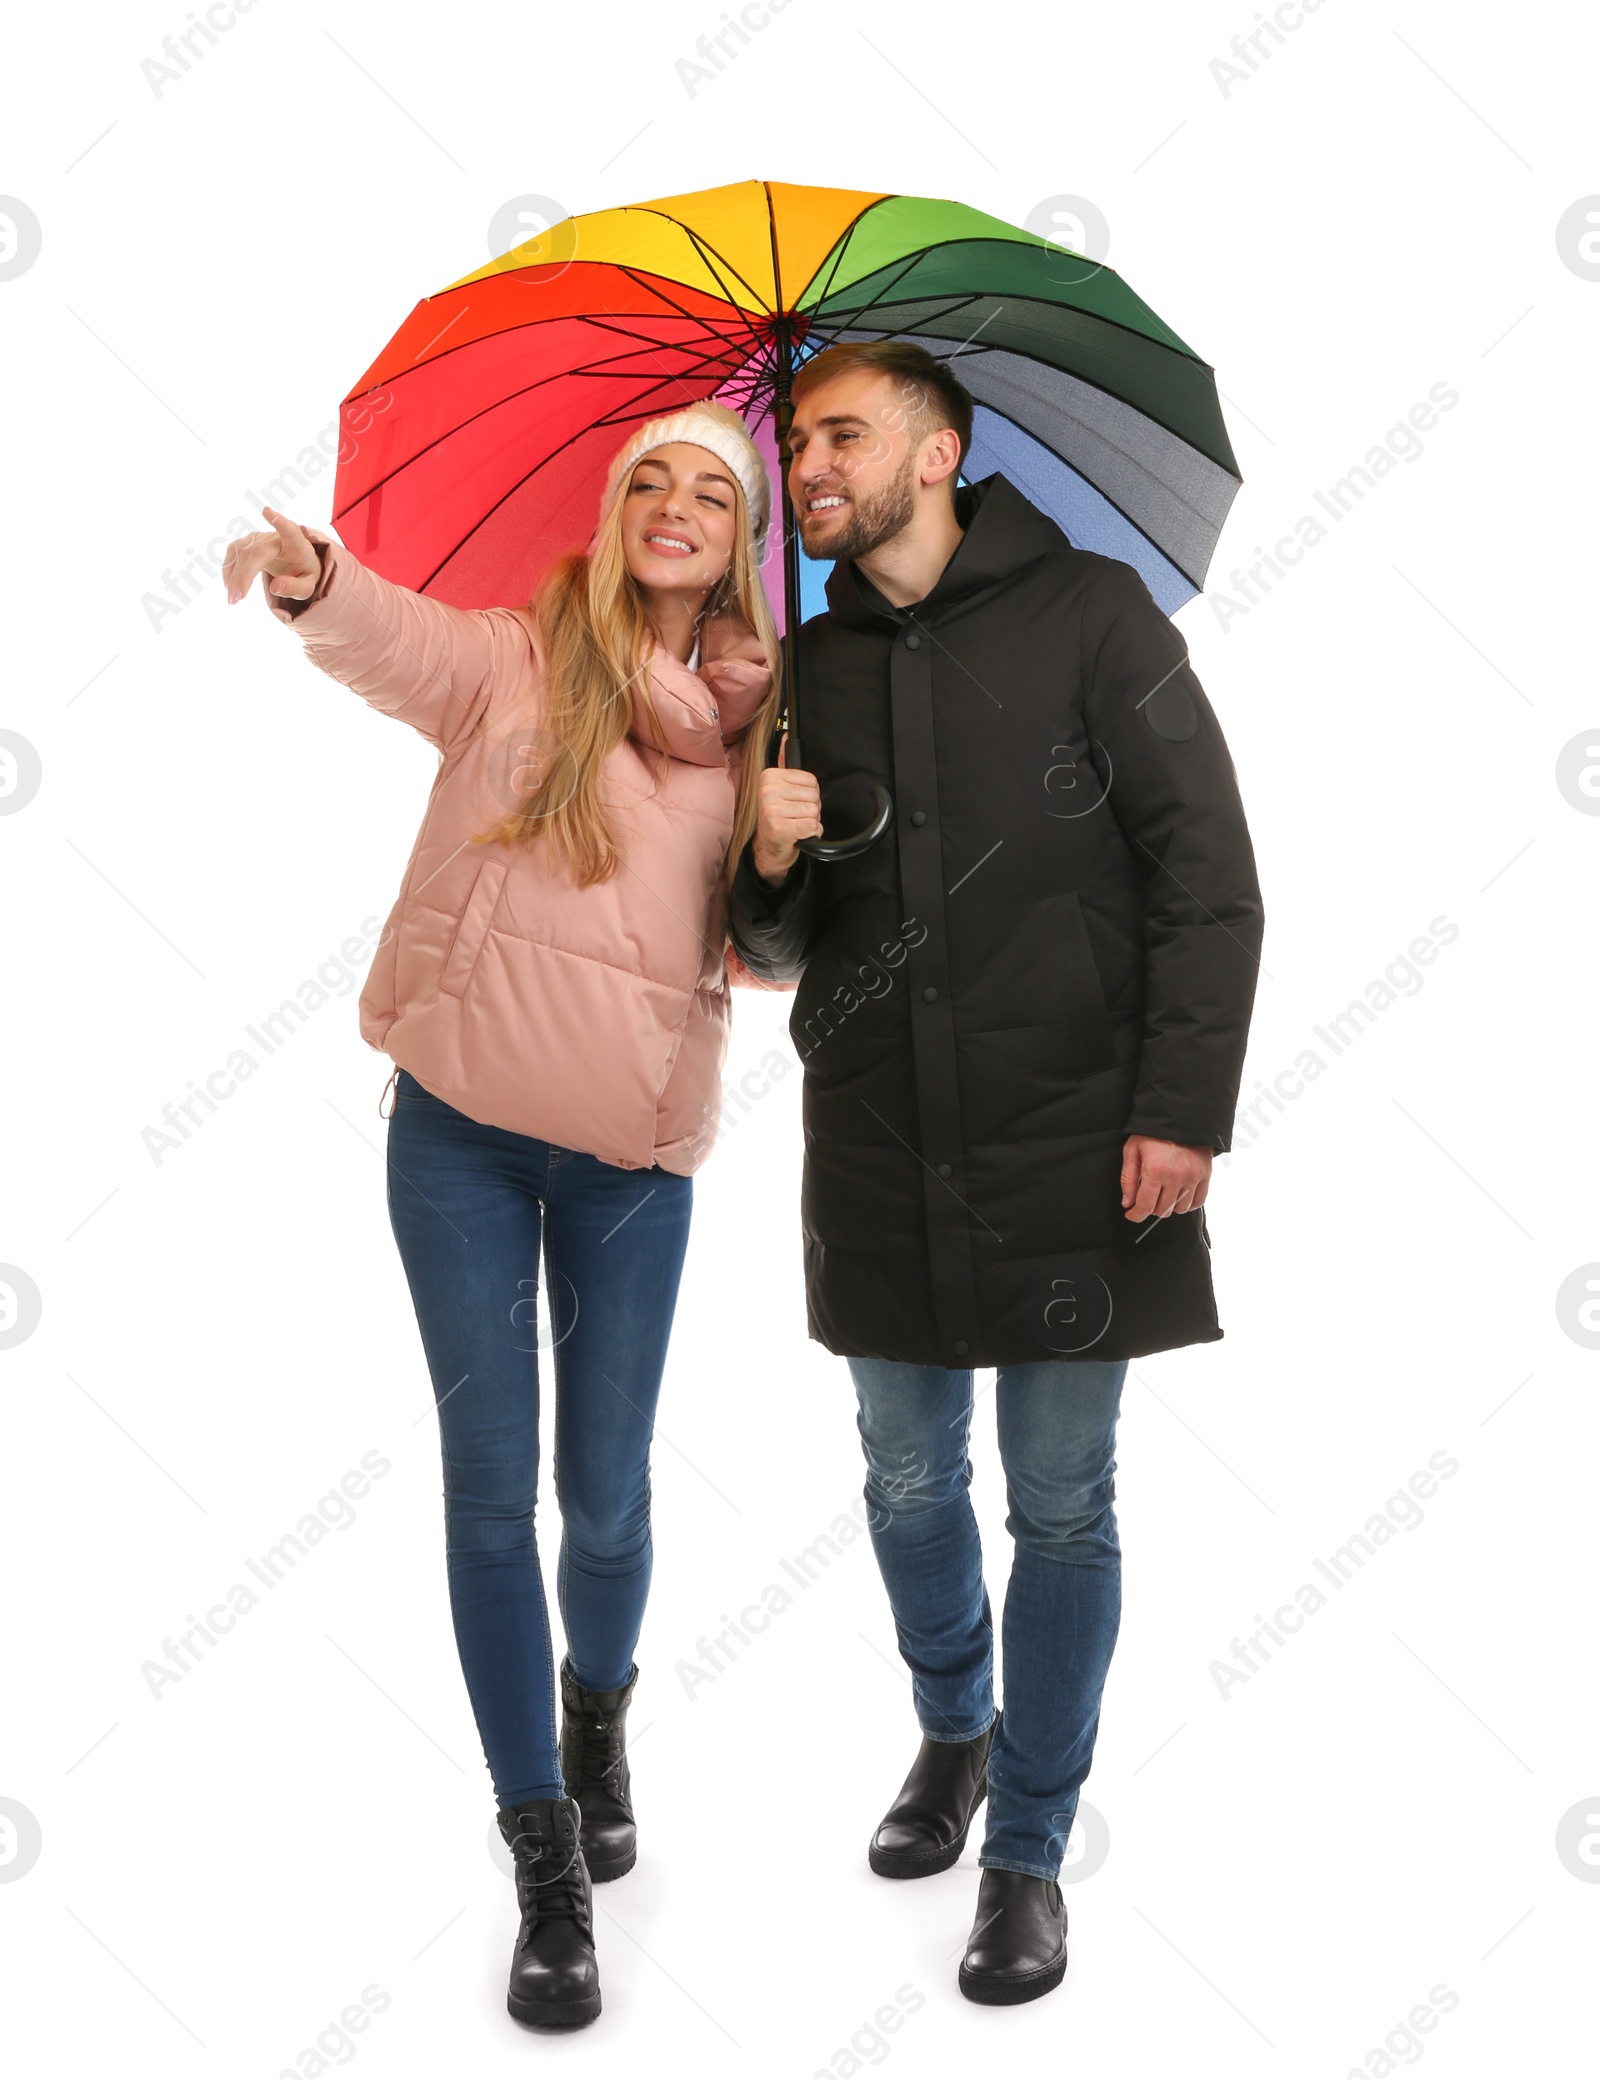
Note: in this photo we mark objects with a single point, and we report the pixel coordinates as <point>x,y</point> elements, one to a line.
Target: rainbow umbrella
<point>476,445</point>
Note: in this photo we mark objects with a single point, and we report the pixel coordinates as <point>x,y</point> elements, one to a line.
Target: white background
<point>1291,1869</point>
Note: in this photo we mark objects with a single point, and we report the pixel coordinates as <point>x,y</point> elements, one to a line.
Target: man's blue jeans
<point>468,1204</point>
<point>1057,1422</point>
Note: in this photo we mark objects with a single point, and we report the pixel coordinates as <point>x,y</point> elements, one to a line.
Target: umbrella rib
<point>840,246</point>
<point>1093,317</point>
<point>590,369</point>
<point>763,385</point>
<point>1171,346</point>
<point>730,359</point>
<point>952,304</point>
<point>729,368</point>
<point>854,321</point>
<point>614,321</point>
<point>559,375</point>
<point>603,321</point>
<point>595,318</point>
<point>905,263</point>
<point>732,302</point>
<point>1100,490</point>
<point>962,298</point>
<point>702,248</point>
<point>559,317</point>
<point>643,209</point>
<point>772,246</point>
<point>526,477</point>
<point>621,417</point>
<point>499,502</point>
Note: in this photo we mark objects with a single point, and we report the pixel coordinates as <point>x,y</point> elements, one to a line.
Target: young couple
<point>1022,1017</point>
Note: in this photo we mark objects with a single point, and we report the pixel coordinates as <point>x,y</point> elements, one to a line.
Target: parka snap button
<point>961,1349</point>
<point>930,996</point>
<point>912,641</point>
<point>945,1170</point>
<point>919,817</point>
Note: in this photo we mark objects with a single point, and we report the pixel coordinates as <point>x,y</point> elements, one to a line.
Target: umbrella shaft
<point>783,419</point>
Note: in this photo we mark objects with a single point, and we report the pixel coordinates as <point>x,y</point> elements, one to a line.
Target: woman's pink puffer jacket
<point>594,1018</point>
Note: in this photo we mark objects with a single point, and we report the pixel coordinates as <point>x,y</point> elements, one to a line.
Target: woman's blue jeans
<point>1057,1422</point>
<point>470,1205</point>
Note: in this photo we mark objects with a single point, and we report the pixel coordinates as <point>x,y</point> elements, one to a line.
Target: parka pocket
<point>1081,995</point>
<point>473,928</point>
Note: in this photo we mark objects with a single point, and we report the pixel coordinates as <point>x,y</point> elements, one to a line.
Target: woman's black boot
<point>554,1977</point>
<point>594,1768</point>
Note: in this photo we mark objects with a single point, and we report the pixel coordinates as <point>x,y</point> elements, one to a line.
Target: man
<point>1022,1017</point>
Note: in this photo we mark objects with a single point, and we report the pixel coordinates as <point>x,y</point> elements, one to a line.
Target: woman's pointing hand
<point>287,555</point>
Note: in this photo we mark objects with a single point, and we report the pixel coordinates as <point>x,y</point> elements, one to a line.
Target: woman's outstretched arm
<point>438,667</point>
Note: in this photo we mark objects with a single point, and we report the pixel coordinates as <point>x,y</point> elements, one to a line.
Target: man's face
<point>855,467</point>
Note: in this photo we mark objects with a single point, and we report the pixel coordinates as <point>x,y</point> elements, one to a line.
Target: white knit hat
<point>707,425</point>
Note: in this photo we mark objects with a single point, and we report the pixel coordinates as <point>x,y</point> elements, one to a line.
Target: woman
<point>552,987</point>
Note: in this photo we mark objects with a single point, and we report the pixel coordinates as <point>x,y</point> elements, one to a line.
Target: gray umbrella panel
<point>1113,478</point>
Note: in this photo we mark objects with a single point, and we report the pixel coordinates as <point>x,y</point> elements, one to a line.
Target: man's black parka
<point>1054,946</point>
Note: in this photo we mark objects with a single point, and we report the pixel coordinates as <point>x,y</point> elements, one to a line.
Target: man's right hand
<point>789,808</point>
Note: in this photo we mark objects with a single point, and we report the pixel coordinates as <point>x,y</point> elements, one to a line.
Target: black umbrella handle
<point>826,849</point>
<point>864,839</point>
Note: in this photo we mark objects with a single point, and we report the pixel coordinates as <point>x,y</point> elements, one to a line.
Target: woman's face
<point>678,518</point>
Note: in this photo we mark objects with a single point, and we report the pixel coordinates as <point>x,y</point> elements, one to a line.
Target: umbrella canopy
<point>476,444</point>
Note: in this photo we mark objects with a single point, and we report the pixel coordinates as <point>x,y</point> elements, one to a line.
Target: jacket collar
<point>1001,533</point>
<point>698,711</point>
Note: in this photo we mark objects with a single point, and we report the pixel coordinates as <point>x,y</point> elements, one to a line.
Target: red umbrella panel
<point>467,471</point>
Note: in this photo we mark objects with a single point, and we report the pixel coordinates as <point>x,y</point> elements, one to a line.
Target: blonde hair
<point>595,639</point>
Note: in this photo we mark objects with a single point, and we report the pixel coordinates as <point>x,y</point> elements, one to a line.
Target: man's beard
<point>877,519</point>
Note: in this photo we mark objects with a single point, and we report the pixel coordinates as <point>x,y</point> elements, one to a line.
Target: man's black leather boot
<point>1018,1945</point>
<point>925,1830</point>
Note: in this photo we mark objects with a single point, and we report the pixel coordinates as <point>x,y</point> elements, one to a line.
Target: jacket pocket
<point>467,944</point>
<point>1082,999</point>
